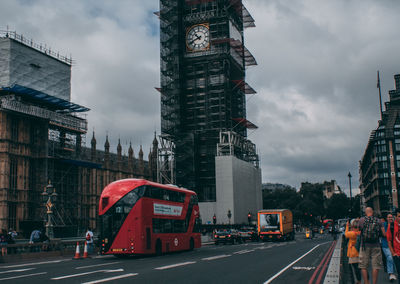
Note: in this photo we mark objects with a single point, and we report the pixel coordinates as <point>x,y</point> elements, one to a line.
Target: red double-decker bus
<point>142,217</point>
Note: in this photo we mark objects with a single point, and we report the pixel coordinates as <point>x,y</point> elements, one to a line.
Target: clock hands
<point>197,37</point>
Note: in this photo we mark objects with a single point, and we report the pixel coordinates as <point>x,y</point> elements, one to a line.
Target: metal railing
<point>40,47</point>
<point>10,103</point>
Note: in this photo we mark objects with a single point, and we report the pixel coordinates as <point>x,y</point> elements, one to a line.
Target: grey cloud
<point>316,79</point>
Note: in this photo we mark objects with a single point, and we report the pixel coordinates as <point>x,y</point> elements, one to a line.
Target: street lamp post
<point>49,198</point>
<point>351,201</point>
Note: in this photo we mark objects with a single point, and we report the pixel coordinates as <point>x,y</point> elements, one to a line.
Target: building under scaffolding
<point>203,63</point>
<point>42,136</point>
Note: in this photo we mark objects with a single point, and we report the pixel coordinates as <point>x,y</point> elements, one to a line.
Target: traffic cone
<point>77,253</point>
<point>85,253</point>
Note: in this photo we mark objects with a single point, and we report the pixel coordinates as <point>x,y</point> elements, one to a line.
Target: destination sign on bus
<point>163,209</point>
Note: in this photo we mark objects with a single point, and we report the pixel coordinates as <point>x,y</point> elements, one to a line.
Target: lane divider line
<point>321,263</point>
<point>175,265</point>
<point>243,251</point>
<point>22,276</point>
<point>34,263</point>
<point>96,265</point>
<point>16,270</point>
<point>289,265</point>
<point>216,257</point>
<point>112,278</point>
<point>86,273</point>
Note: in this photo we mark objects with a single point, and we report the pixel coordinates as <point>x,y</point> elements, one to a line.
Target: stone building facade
<point>42,136</point>
<point>28,159</point>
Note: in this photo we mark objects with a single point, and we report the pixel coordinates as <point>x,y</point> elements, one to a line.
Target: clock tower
<point>203,87</point>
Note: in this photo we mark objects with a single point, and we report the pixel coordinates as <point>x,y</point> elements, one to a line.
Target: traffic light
<point>249,217</point>
<point>214,219</point>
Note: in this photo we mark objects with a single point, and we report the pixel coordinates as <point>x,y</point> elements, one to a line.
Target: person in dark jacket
<point>3,242</point>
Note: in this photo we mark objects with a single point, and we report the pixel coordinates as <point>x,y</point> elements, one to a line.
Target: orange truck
<point>275,224</point>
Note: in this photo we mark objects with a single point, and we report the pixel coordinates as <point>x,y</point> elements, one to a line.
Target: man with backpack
<point>393,238</point>
<point>370,250</point>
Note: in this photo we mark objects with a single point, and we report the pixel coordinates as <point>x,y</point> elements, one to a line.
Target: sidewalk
<point>383,277</point>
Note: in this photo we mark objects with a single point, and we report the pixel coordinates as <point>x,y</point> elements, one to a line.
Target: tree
<point>286,198</point>
<point>338,206</point>
<point>313,193</point>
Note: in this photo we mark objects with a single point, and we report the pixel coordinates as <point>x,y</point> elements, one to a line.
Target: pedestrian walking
<point>89,240</point>
<point>35,236</point>
<point>352,233</point>
<point>393,239</point>
<point>13,234</point>
<point>3,242</point>
<point>386,250</point>
<point>370,250</point>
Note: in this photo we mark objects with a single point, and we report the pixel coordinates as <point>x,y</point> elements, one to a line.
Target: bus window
<point>164,194</point>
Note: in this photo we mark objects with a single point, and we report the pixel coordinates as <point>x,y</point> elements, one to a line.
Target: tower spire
<point>378,85</point>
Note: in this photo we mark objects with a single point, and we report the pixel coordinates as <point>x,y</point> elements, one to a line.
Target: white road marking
<point>95,265</point>
<point>303,268</point>
<point>243,251</point>
<point>22,276</point>
<point>288,266</point>
<point>175,265</point>
<point>16,270</point>
<point>264,247</point>
<point>105,256</point>
<point>216,257</point>
<point>86,273</point>
<point>35,263</point>
<point>112,278</point>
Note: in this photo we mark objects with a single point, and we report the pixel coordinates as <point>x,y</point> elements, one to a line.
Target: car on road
<point>226,236</point>
<point>248,234</point>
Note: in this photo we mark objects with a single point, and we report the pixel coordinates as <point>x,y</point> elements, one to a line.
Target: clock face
<point>198,38</point>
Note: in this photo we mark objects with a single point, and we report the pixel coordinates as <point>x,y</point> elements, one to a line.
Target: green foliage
<point>338,206</point>
<point>309,204</point>
<point>280,199</point>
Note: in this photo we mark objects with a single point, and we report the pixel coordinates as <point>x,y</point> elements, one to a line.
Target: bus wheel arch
<point>158,247</point>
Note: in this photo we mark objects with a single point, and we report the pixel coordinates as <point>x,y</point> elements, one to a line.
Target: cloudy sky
<point>316,76</point>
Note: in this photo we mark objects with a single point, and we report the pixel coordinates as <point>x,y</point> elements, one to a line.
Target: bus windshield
<point>269,222</point>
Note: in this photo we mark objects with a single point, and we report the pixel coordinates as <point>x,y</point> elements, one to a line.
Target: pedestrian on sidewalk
<point>89,240</point>
<point>370,250</point>
<point>352,233</point>
<point>3,242</point>
<point>385,248</point>
<point>35,238</point>
<point>393,239</point>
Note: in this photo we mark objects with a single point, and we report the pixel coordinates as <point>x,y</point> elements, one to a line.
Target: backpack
<point>371,230</point>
